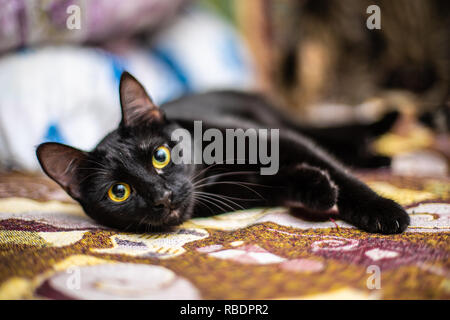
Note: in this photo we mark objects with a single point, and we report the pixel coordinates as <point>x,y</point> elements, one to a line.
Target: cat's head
<point>128,181</point>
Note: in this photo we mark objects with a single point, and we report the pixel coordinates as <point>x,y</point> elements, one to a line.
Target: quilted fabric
<point>49,249</point>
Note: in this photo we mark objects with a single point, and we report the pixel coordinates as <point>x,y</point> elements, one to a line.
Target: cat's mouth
<point>175,216</point>
<point>163,217</point>
<point>167,219</point>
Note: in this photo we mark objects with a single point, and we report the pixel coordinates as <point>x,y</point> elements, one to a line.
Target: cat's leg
<point>310,186</point>
<point>362,207</point>
<point>351,143</point>
<point>357,203</point>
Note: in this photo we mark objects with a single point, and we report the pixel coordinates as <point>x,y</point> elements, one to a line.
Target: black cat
<point>129,181</point>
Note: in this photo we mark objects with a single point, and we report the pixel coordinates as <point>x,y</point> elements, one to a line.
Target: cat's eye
<point>161,157</point>
<point>119,192</point>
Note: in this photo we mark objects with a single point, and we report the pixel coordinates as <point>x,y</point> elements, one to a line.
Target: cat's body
<point>126,182</point>
<point>350,143</point>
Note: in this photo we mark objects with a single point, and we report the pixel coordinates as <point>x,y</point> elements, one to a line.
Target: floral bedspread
<point>49,249</point>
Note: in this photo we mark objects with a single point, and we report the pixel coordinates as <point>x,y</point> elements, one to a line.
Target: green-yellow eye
<point>119,192</point>
<point>161,157</point>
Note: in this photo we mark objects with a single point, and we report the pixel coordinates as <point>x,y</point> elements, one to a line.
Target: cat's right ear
<point>60,162</point>
<point>137,106</point>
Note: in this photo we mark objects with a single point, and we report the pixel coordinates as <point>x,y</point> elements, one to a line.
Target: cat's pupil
<point>119,190</point>
<point>160,155</point>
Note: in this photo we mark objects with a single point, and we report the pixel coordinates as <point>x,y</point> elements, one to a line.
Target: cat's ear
<point>137,106</point>
<point>60,162</point>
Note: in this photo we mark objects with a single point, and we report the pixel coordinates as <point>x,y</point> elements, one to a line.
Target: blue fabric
<point>118,67</point>
<point>54,134</point>
<point>232,56</point>
<point>165,57</point>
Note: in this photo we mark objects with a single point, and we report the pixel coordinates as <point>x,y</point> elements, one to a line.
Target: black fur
<point>308,175</point>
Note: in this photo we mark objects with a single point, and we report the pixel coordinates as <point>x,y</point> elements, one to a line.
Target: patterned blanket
<point>49,249</point>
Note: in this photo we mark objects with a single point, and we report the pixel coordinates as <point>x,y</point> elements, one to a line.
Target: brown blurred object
<point>32,186</point>
<point>312,52</point>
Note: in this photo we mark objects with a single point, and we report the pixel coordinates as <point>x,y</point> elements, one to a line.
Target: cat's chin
<point>173,218</point>
<point>147,225</point>
<point>161,226</point>
<point>173,215</point>
<point>170,219</point>
<point>164,221</point>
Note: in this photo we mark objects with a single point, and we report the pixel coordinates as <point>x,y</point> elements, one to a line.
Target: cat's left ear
<point>61,163</point>
<point>137,106</point>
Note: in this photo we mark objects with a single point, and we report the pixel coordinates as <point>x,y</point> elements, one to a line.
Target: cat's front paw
<point>314,188</point>
<point>380,215</point>
<point>321,196</point>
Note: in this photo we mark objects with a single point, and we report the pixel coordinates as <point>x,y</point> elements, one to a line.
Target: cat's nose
<point>165,200</point>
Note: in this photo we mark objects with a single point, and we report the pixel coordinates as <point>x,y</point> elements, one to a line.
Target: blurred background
<point>61,60</point>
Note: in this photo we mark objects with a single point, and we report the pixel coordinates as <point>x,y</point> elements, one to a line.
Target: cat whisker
<point>219,200</point>
<point>129,225</point>
<point>208,200</point>
<point>242,184</point>
<point>101,165</point>
<point>141,221</point>
<point>224,198</point>
<point>91,175</point>
<point>204,170</point>
<point>92,168</point>
<point>200,202</point>
<point>219,175</point>
<point>213,166</point>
